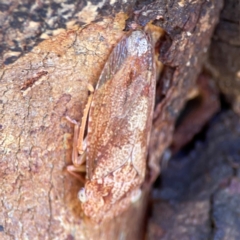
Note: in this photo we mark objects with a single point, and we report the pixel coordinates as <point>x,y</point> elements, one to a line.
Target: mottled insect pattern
<point>118,129</point>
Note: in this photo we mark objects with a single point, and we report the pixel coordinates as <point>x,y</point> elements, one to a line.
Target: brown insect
<point>118,129</point>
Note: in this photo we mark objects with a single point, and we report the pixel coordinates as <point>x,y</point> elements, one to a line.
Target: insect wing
<point>121,111</point>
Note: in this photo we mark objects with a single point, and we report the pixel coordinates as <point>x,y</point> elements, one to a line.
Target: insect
<point>118,129</point>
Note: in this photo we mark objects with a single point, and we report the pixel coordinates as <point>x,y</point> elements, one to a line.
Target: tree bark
<point>42,81</point>
<point>224,54</point>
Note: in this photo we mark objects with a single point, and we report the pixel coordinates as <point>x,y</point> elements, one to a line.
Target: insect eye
<point>82,195</point>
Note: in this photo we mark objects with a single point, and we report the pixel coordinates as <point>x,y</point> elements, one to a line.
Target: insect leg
<point>78,161</point>
<point>78,176</point>
<point>79,144</point>
<point>84,120</point>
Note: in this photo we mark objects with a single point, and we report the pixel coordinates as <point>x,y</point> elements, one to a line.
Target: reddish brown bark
<point>38,199</point>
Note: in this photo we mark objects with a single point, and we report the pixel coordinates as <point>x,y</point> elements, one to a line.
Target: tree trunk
<point>42,81</point>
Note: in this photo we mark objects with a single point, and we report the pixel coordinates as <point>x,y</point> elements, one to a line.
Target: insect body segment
<point>119,125</point>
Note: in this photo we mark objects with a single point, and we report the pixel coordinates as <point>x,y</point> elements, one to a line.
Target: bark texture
<point>199,192</point>
<point>43,81</point>
<point>224,53</point>
<point>197,196</point>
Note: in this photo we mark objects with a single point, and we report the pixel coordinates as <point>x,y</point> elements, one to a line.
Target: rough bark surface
<point>203,104</point>
<point>225,51</point>
<point>199,192</point>
<point>182,52</point>
<point>43,82</point>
